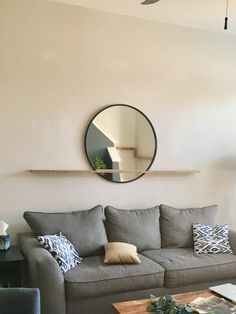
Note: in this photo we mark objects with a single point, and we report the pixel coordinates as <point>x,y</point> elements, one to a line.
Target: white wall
<point>144,139</point>
<point>118,123</point>
<point>61,64</point>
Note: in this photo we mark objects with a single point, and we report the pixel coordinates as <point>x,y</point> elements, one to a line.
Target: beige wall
<point>61,64</point>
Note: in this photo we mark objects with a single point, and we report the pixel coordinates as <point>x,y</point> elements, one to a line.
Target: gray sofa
<point>163,236</point>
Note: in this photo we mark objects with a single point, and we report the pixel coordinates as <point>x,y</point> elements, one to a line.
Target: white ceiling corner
<point>201,14</point>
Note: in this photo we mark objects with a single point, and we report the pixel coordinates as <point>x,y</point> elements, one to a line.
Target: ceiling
<point>201,14</point>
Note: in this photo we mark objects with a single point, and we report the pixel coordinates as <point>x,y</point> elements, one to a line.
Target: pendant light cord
<point>226,15</point>
<point>227,7</point>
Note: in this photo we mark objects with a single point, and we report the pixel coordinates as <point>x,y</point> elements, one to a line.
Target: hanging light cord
<point>226,15</point>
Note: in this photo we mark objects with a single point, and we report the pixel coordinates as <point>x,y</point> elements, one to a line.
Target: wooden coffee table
<point>139,306</point>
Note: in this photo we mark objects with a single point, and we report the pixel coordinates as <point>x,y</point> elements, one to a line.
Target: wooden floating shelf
<point>99,171</point>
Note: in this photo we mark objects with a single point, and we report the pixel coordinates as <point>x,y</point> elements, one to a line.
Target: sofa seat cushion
<point>184,267</point>
<point>95,278</point>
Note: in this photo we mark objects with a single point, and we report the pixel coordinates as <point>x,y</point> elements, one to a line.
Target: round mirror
<point>120,143</point>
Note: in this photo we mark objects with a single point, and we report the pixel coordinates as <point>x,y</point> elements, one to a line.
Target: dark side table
<point>11,263</point>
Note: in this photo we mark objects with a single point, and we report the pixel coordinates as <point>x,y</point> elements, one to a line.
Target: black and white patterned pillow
<point>211,239</point>
<point>61,249</point>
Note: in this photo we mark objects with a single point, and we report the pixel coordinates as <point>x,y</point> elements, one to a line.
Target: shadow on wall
<point>226,164</point>
<point>222,183</point>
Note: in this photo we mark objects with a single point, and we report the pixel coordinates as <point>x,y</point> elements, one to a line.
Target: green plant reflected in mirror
<point>120,140</point>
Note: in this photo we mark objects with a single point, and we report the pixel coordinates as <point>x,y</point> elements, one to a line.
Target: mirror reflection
<point>120,138</point>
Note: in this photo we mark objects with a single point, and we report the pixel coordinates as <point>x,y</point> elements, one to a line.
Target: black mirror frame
<point>154,135</point>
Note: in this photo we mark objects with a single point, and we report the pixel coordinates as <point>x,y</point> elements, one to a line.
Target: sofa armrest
<point>232,240</point>
<point>44,273</point>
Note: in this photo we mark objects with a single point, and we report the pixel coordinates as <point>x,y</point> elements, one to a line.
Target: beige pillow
<point>121,253</point>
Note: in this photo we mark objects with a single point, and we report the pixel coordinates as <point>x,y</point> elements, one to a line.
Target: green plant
<point>166,305</point>
<point>98,163</point>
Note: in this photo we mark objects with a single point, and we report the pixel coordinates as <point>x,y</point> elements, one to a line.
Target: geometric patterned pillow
<point>211,239</point>
<point>61,249</point>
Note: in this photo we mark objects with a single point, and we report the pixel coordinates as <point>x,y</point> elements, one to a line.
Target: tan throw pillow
<point>121,253</point>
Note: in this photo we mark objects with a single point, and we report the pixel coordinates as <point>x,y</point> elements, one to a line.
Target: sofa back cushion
<point>176,224</point>
<point>139,227</point>
<point>84,229</point>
